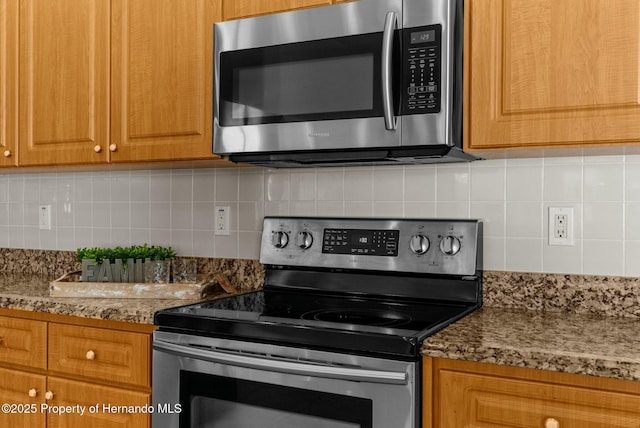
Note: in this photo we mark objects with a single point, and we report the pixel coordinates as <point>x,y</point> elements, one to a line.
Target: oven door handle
<point>387,84</point>
<point>283,366</point>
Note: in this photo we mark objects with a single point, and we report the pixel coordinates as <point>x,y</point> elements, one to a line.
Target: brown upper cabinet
<point>120,81</point>
<point>548,73</point>
<point>64,82</point>
<point>234,9</point>
<point>8,81</point>
<point>93,81</point>
<point>162,79</point>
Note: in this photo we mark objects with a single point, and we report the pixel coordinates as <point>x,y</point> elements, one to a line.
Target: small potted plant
<point>125,264</point>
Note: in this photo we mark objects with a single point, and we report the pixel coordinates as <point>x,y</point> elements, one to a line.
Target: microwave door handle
<point>387,84</point>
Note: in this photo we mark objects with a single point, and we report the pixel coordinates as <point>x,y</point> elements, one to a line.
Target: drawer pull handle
<point>551,423</point>
<point>48,395</point>
<point>113,147</point>
<point>7,153</point>
<point>97,148</point>
<point>33,393</point>
<point>90,355</point>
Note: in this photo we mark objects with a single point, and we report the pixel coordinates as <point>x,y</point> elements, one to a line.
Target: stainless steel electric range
<point>333,339</point>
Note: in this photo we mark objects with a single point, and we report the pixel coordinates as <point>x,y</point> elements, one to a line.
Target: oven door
<point>313,79</point>
<point>202,382</point>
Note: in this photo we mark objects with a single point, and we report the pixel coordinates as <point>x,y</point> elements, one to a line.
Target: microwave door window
<point>303,88</point>
<point>319,80</point>
<point>240,110</point>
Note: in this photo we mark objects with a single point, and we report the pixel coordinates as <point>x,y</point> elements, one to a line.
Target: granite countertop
<point>25,276</point>
<point>30,292</point>
<point>598,337</point>
<point>567,323</point>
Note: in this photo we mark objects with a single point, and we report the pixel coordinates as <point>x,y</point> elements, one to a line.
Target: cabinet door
<point>548,73</point>
<point>8,81</point>
<point>234,9</point>
<point>64,81</point>
<point>162,77</point>
<point>16,389</point>
<point>482,401</point>
<point>111,410</point>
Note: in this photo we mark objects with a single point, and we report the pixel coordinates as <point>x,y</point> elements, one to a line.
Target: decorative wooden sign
<point>132,271</point>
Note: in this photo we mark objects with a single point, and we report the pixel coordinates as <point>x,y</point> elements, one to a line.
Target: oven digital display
<point>361,242</point>
<point>363,238</point>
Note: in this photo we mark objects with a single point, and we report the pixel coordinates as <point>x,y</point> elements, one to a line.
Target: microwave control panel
<point>421,69</point>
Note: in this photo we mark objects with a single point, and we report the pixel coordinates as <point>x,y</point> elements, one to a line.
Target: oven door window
<point>210,401</point>
<point>326,79</point>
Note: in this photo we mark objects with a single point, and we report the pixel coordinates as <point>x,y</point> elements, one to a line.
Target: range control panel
<point>405,245</point>
<point>421,69</point>
<point>361,242</point>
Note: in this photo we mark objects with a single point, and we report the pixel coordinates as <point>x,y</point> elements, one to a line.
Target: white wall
<point>176,207</point>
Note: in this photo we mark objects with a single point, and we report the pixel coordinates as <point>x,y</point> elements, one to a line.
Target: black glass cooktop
<point>317,319</point>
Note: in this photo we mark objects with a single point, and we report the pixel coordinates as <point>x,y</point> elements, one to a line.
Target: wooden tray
<point>69,285</point>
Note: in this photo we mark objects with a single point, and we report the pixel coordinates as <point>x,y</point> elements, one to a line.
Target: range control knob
<point>450,245</point>
<point>280,239</point>
<point>304,240</point>
<point>419,244</point>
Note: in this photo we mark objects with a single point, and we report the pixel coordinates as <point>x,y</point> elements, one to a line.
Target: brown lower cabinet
<point>14,391</point>
<point>115,407</point>
<point>52,363</point>
<point>464,394</point>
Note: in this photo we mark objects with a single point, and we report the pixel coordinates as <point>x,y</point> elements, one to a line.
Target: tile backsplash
<point>175,207</point>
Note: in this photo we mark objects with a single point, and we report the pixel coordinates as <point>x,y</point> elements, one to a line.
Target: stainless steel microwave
<point>365,82</point>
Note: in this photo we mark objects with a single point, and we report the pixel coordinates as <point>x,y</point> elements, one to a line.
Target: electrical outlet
<point>561,226</point>
<point>44,217</point>
<point>222,220</point>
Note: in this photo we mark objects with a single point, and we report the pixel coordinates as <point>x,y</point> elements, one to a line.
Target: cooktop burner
<point>354,285</point>
<point>370,317</point>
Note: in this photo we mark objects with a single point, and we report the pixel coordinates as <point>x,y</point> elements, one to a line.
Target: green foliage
<point>154,252</point>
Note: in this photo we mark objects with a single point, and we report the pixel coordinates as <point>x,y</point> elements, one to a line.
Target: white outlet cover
<point>222,220</point>
<point>44,217</point>
<point>568,239</point>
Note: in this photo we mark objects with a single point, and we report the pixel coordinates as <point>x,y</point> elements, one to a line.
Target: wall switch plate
<point>222,220</point>
<point>561,226</point>
<point>44,217</point>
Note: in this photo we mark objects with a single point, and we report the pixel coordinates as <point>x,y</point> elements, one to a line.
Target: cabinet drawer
<point>110,355</point>
<point>482,401</point>
<point>23,342</point>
